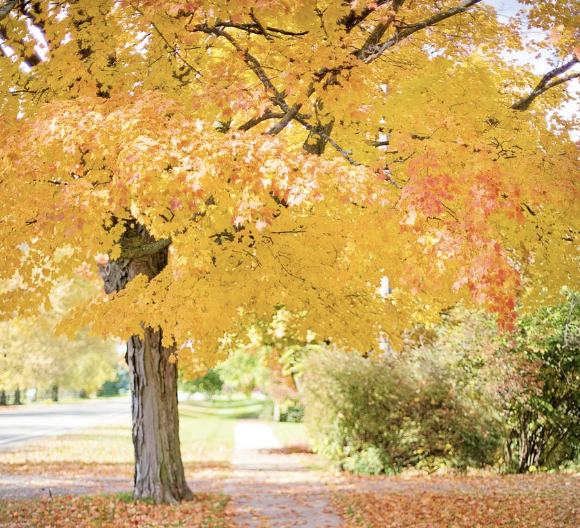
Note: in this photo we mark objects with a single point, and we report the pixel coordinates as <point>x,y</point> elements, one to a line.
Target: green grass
<point>290,434</point>
<point>248,409</point>
<point>220,404</point>
<point>205,439</point>
<point>108,450</point>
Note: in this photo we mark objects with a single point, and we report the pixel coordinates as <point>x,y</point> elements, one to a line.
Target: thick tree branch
<point>259,25</point>
<point>548,81</point>
<point>257,120</point>
<point>375,52</point>
<point>255,30</point>
<point>287,32</point>
<point>138,251</point>
<point>281,125</point>
<point>6,8</point>
<point>377,34</point>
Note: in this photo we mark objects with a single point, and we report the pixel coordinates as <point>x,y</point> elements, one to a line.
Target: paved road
<point>23,424</point>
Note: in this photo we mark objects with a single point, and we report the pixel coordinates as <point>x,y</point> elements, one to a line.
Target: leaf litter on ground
<point>113,511</point>
<point>502,501</point>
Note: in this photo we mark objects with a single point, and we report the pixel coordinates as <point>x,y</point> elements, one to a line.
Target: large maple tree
<point>214,160</point>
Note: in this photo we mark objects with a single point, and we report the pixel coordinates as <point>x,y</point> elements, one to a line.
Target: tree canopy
<point>287,153</point>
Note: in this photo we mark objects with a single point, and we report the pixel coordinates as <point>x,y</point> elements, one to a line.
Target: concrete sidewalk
<point>269,489</point>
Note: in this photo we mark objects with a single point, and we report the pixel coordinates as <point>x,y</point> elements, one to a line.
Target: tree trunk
<point>531,447</point>
<point>277,414</point>
<point>159,473</point>
<point>54,391</point>
<point>158,466</point>
<point>17,400</point>
<point>3,397</point>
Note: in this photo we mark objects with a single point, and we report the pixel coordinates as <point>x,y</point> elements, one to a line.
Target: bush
<point>115,386</point>
<point>293,414</point>
<point>210,384</point>
<point>544,414</point>
<point>382,415</point>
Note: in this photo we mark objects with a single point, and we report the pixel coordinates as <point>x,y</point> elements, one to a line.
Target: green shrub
<point>382,415</point>
<point>544,414</point>
<point>293,414</point>
<point>210,384</point>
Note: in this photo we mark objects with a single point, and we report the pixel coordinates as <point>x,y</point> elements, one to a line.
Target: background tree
<point>222,159</point>
<point>545,413</point>
<point>244,372</point>
<point>210,384</point>
<point>33,357</point>
<point>530,376</point>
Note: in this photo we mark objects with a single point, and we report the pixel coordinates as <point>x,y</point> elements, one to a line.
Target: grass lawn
<point>235,409</point>
<point>112,511</point>
<point>206,440</point>
<point>108,450</point>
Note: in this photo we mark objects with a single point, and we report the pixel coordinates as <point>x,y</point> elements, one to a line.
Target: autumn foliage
<point>213,161</point>
<point>289,153</point>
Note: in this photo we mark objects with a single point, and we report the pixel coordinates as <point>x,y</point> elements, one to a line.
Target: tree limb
<point>171,47</point>
<point>254,29</point>
<point>352,19</point>
<point>281,125</point>
<point>261,28</point>
<point>375,52</point>
<point>6,8</point>
<point>286,32</point>
<point>326,137</point>
<point>253,63</point>
<point>380,29</point>
<point>257,120</point>
<point>546,83</point>
<point>144,250</point>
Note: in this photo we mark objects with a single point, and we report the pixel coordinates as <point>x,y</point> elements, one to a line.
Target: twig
<point>250,60</point>
<point>171,47</point>
<point>387,174</point>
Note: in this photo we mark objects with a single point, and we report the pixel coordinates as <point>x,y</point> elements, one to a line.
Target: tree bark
<point>159,470</point>
<point>159,473</point>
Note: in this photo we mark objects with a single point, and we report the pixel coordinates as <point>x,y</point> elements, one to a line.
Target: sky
<point>508,9</point>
